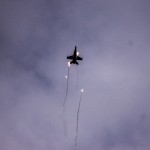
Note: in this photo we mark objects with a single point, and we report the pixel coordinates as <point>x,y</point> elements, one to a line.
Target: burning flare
<point>77,53</point>
<point>68,64</point>
<point>82,90</point>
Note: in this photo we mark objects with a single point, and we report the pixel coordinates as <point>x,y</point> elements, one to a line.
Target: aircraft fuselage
<point>74,57</point>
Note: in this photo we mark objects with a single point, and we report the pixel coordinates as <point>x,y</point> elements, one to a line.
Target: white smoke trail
<point>63,113</point>
<point>77,76</point>
<point>67,77</point>
<point>78,113</point>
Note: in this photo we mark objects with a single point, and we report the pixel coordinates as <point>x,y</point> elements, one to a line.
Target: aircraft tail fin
<point>71,62</point>
<point>74,62</point>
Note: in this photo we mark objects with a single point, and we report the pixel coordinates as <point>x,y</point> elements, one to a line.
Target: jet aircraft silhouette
<point>74,57</point>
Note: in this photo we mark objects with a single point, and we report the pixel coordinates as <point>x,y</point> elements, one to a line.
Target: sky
<point>112,36</point>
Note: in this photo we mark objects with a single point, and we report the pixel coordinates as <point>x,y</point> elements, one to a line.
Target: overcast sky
<point>112,36</point>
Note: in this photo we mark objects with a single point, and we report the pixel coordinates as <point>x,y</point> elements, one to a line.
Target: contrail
<point>78,112</point>
<point>67,77</point>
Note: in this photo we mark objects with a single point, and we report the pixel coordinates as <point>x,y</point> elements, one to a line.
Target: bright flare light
<point>68,64</point>
<point>77,53</point>
<point>82,90</point>
<point>66,77</point>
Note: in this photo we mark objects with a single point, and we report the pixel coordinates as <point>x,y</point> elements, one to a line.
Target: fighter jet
<point>74,57</point>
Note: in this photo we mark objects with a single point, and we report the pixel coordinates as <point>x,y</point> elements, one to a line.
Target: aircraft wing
<point>69,57</point>
<point>79,58</point>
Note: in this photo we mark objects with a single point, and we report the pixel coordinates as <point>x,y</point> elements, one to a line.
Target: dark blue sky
<point>112,37</point>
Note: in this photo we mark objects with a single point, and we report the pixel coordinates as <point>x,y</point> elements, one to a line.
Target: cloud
<point>112,37</point>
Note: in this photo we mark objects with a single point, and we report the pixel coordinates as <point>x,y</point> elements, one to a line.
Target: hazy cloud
<point>112,37</point>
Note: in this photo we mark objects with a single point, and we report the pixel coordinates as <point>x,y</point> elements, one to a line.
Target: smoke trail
<point>67,77</point>
<point>77,76</point>
<point>65,126</point>
<point>77,125</point>
<point>63,113</point>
